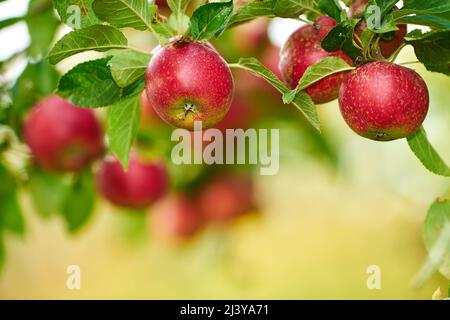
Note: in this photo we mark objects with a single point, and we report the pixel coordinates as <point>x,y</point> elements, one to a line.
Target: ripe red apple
<point>175,218</point>
<point>226,197</point>
<point>141,185</point>
<point>384,101</point>
<point>388,44</point>
<point>61,136</point>
<point>189,81</point>
<point>303,49</point>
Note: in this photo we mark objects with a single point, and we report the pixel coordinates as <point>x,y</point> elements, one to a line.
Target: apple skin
<point>226,198</point>
<point>140,186</point>
<point>175,218</point>
<point>384,101</point>
<point>61,136</point>
<point>184,74</point>
<point>387,47</point>
<point>303,49</point>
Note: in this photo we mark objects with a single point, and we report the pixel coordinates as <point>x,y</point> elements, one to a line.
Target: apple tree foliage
<point>116,80</point>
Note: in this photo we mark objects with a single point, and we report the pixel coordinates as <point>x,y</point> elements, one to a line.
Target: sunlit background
<point>329,214</point>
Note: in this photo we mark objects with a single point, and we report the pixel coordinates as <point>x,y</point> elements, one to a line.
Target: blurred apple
<point>141,185</point>
<point>61,136</point>
<point>226,197</point>
<point>175,218</point>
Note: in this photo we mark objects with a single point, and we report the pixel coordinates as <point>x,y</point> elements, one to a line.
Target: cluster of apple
<point>64,138</point>
<point>379,100</point>
<point>188,81</point>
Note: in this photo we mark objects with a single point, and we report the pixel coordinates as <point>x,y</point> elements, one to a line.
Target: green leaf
<point>178,20</point>
<point>11,213</point>
<point>11,217</point>
<point>10,21</point>
<point>331,8</point>
<point>252,10</point>
<point>79,202</point>
<point>432,49</point>
<point>425,152</point>
<point>388,25</point>
<point>316,72</point>
<point>294,8</point>
<point>163,30</point>
<point>302,101</point>
<point>128,66</point>
<point>47,191</point>
<point>41,27</point>
<point>422,7</point>
<point>210,20</point>
<point>76,14</point>
<point>123,121</point>
<point>136,14</point>
<point>341,38</point>
<point>98,38</point>
<point>435,21</point>
<point>90,84</point>
<point>436,235</point>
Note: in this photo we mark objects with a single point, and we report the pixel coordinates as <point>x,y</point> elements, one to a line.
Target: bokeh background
<point>339,204</point>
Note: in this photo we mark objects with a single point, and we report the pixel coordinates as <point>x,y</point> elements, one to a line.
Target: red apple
<point>141,185</point>
<point>384,101</point>
<point>189,81</point>
<point>226,198</point>
<point>175,218</point>
<point>303,49</point>
<point>61,136</point>
<point>387,45</point>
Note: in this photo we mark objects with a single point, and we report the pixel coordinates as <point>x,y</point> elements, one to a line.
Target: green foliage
<point>436,235</point>
<point>178,19</point>
<point>71,10</point>
<point>79,201</point>
<point>294,8</point>
<point>428,7</point>
<point>41,27</point>
<point>136,14</point>
<point>333,9</point>
<point>210,20</point>
<point>341,38</point>
<point>302,101</point>
<point>432,49</point>
<point>252,10</point>
<point>316,72</point>
<point>128,66</point>
<point>98,38</point>
<point>425,152</point>
<point>11,217</point>
<point>47,191</point>
<point>123,121</point>
<point>90,84</point>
